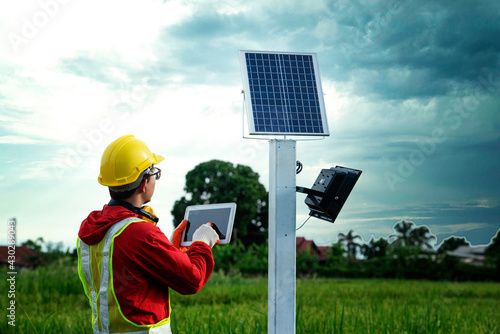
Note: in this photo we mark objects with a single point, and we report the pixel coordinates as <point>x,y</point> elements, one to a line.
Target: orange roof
<point>302,245</point>
<point>22,254</point>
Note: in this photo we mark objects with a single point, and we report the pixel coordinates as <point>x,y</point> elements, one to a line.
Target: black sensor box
<point>330,191</point>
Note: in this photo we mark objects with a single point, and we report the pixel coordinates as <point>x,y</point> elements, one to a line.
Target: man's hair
<point>122,195</point>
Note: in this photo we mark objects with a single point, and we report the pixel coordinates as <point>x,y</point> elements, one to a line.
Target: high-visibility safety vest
<point>96,273</point>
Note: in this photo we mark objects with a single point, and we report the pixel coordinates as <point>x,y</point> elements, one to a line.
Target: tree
<point>421,237</point>
<point>35,245</point>
<point>350,242</point>
<point>336,250</point>
<point>409,235</point>
<point>402,235</point>
<point>493,249</point>
<point>492,252</point>
<point>374,248</point>
<point>218,181</point>
<point>452,243</point>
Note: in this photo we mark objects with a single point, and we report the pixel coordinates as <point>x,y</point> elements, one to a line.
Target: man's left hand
<point>176,237</point>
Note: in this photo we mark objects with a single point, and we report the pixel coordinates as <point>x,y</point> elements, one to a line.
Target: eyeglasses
<point>154,171</point>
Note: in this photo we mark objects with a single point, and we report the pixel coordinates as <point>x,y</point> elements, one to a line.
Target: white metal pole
<point>282,245</point>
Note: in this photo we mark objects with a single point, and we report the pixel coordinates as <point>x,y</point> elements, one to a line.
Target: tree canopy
<point>493,249</point>
<point>218,181</point>
<point>452,243</point>
<point>374,248</point>
<point>402,235</point>
<point>409,235</point>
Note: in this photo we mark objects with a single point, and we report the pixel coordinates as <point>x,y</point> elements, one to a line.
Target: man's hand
<point>176,237</point>
<point>206,234</point>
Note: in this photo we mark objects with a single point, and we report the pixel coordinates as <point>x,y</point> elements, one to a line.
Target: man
<point>125,262</point>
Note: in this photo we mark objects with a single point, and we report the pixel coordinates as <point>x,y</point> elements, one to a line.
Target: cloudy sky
<point>412,93</point>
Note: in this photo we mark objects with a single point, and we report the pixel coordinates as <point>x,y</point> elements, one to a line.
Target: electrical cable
<point>303,224</point>
<point>299,167</point>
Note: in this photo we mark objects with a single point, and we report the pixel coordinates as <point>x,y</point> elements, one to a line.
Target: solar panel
<point>283,94</point>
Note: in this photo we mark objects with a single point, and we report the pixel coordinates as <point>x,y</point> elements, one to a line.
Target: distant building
<point>25,257</point>
<point>303,245</point>
<point>470,255</point>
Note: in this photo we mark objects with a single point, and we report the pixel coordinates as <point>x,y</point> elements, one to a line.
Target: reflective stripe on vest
<point>101,306</point>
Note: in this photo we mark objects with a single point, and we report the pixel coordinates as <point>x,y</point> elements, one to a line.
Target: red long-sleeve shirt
<point>146,264</point>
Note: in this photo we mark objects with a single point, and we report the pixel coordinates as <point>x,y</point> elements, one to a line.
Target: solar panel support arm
<point>308,191</point>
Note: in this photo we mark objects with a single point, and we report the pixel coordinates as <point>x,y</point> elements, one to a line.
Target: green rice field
<point>51,300</point>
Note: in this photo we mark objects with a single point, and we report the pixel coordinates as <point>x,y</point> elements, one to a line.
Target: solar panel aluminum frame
<point>249,107</point>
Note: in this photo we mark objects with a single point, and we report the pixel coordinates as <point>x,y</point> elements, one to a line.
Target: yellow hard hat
<point>124,160</point>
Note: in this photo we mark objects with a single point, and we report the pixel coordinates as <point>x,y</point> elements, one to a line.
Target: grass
<point>51,300</point>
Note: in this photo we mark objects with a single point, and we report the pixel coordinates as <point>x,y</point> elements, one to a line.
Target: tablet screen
<point>221,215</point>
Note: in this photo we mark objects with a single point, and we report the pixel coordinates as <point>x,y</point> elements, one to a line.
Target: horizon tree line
<point>406,235</point>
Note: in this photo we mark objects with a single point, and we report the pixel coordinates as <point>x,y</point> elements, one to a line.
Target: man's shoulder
<point>140,229</point>
<point>140,225</point>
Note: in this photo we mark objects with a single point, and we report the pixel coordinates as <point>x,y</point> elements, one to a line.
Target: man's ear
<point>142,186</point>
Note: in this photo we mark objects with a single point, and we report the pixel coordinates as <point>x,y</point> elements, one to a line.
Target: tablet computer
<point>221,215</point>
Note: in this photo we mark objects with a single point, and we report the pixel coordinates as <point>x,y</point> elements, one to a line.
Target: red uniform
<point>145,264</point>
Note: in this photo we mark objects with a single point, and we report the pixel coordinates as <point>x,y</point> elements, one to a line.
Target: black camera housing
<point>330,191</point>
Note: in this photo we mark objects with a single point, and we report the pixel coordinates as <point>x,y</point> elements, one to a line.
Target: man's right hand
<point>205,233</point>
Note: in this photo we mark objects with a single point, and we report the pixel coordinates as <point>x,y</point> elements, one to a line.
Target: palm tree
<point>402,236</point>
<point>409,235</point>
<point>349,240</point>
<point>421,236</point>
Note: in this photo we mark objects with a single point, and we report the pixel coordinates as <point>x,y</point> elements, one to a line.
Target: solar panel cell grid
<point>283,93</point>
